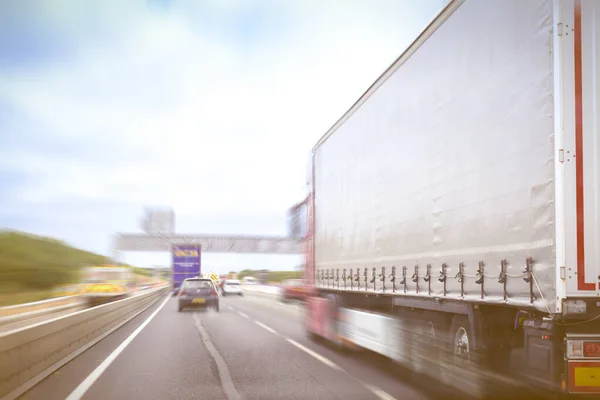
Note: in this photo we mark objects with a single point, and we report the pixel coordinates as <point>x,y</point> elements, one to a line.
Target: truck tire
<point>423,348</point>
<point>460,366</point>
<point>460,340</point>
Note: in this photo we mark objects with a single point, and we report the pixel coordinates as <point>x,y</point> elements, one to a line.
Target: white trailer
<point>459,199</point>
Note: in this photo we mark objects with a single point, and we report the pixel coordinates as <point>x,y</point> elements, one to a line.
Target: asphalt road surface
<point>254,348</point>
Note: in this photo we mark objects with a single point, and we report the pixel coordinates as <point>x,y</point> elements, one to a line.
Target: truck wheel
<point>423,349</point>
<point>460,368</point>
<point>217,307</point>
<point>460,341</point>
<point>179,309</point>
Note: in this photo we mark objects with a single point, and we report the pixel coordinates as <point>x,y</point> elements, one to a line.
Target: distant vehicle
<point>249,280</point>
<point>263,277</point>
<point>186,264</point>
<point>145,287</point>
<point>102,284</point>
<point>293,289</point>
<point>198,292</point>
<point>232,286</point>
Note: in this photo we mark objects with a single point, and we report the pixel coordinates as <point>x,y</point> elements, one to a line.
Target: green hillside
<point>30,266</point>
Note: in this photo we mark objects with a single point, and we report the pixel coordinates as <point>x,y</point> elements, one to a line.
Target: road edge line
<point>24,388</point>
<point>96,373</point>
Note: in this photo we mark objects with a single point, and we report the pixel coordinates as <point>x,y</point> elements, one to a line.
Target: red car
<point>293,289</point>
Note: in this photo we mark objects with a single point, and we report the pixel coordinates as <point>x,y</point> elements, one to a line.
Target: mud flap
<point>317,316</point>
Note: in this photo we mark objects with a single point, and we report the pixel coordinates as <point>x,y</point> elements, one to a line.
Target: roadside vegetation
<point>31,266</point>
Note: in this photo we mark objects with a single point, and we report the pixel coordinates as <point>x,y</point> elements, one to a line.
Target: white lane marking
<point>265,327</point>
<point>319,357</point>
<point>379,393</point>
<point>226,381</point>
<point>231,308</point>
<point>382,395</point>
<point>51,369</point>
<point>89,381</point>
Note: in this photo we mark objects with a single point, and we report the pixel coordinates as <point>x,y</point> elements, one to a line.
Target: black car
<point>198,292</point>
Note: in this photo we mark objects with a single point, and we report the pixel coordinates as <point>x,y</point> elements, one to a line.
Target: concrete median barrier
<point>30,354</point>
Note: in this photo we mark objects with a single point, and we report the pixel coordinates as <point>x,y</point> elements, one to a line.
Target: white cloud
<point>214,126</point>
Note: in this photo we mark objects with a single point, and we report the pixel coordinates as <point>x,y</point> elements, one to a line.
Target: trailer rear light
<point>591,349</point>
<point>574,348</point>
<point>213,292</point>
<point>183,292</point>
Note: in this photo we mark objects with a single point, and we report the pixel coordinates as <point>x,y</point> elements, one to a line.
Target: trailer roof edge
<point>433,26</point>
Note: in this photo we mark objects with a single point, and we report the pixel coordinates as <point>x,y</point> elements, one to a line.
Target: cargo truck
<point>454,211</point>
<point>106,283</point>
<point>186,264</point>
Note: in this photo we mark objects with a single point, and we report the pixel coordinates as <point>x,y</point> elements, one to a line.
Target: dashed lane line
<point>89,381</point>
<point>265,327</point>
<point>319,357</point>
<point>379,393</point>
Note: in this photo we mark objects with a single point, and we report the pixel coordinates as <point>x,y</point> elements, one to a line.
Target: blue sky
<point>210,107</point>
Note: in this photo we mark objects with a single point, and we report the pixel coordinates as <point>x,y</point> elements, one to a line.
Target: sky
<point>209,107</point>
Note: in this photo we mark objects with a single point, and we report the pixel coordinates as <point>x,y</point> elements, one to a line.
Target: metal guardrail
<point>30,354</point>
<point>37,305</point>
<point>28,318</point>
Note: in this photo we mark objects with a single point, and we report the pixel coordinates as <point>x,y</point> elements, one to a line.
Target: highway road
<point>254,348</point>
